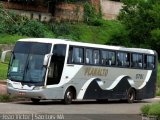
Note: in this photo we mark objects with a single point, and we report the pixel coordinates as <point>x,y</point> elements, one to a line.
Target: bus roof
<point>69,42</point>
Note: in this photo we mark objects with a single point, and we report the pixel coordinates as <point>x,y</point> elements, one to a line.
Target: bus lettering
<point>96,72</point>
<point>139,76</point>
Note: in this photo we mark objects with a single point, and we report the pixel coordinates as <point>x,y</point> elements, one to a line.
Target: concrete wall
<point>69,12</point>
<point>64,11</point>
<point>110,9</point>
<point>43,17</point>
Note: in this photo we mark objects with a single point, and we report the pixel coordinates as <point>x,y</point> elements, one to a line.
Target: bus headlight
<point>37,88</point>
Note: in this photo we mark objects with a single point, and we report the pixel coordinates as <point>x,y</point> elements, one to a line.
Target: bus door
<point>56,64</point>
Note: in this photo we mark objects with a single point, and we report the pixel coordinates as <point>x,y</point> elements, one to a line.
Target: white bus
<point>55,69</point>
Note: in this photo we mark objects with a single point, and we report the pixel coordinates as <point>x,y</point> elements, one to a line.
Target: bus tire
<point>68,97</point>
<point>131,95</point>
<point>34,100</point>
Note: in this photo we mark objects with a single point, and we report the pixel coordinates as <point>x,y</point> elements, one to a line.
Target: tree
<point>142,21</point>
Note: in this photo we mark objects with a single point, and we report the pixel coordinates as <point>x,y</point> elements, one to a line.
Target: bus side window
<point>137,60</point>
<point>112,58</point>
<point>96,57</point>
<point>76,55</point>
<point>104,55</point>
<point>123,59</point>
<point>149,62</point>
<point>89,54</point>
<point>108,58</point>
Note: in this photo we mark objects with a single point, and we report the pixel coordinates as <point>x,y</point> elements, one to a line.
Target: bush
<point>151,110</point>
<point>158,81</point>
<point>145,109</point>
<point>32,28</point>
<point>118,34</point>
<point>154,110</point>
<point>11,23</point>
<point>6,98</point>
<point>3,69</point>
<point>91,16</point>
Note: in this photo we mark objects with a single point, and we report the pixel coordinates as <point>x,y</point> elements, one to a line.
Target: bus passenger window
<point>149,62</point>
<point>137,60</point>
<point>77,55</point>
<point>96,57</point>
<point>89,54</point>
<point>112,58</point>
<point>123,59</point>
<point>104,55</point>
<point>108,58</point>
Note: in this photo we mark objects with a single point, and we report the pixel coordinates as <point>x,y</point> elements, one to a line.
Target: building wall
<point>110,9</point>
<point>96,3</point>
<point>23,6</point>
<point>69,12</point>
<point>64,11</point>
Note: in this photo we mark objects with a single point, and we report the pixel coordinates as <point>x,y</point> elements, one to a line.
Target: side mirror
<point>3,56</point>
<point>46,59</point>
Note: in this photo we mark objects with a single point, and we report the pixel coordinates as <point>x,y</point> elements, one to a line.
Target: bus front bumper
<point>38,94</point>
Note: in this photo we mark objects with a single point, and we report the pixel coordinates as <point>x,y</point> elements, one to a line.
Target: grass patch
<point>3,69</point>
<point>151,110</point>
<point>9,39</point>
<point>6,98</point>
<point>158,81</point>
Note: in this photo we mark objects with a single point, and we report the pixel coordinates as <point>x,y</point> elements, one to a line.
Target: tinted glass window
<point>56,64</point>
<point>76,55</point>
<point>108,58</point>
<point>149,62</point>
<point>96,56</point>
<point>89,58</point>
<point>123,59</point>
<point>137,60</point>
<point>32,48</point>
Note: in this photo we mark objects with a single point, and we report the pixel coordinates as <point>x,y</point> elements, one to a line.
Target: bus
<point>59,69</point>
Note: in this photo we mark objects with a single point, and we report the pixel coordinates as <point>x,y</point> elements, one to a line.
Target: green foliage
<point>10,39</point>
<point>145,109</point>
<point>6,98</point>
<point>151,110</point>
<point>32,28</point>
<point>155,39</point>
<point>91,16</point>
<point>102,33</point>
<point>12,23</point>
<point>142,21</point>
<point>118,34</point>
<point>3,69</point>
<point>158,81</point>
<point>154,109</point>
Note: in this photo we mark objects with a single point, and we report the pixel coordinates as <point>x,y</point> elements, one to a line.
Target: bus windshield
<point>26,64</point>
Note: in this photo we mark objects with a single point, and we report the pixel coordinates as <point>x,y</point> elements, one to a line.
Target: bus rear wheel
<point>68,97</point>
<point>131,95</point>
<point>34,100</point>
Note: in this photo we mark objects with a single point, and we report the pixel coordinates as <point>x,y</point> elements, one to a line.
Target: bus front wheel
<point>131,95</point>
<point>68,97</point>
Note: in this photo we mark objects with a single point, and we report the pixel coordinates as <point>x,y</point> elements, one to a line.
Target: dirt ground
<point>3,89</point>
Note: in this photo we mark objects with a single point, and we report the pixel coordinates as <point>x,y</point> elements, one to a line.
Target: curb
<point>3,82</point>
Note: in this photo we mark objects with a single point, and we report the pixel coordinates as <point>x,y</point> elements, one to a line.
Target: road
<point>79,110</point>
